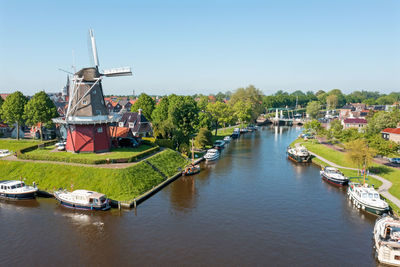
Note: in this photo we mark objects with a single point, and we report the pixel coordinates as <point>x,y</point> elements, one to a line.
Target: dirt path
<point>104,166</point>
<point>383,189</point>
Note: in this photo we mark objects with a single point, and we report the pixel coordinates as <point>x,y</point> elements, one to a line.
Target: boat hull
<point>335,182</point>
<point>18,196</point>
<point>299,159</point>
<point>69,204</point>
<point>366,207</point>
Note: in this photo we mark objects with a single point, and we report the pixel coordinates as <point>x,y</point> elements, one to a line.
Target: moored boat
<point>212,154</point>
<point>191,170</point>
<point>367,198</point>
<point>299,154</point>
<point>236,133</point>
<point>227,139</point>
<point>82,199</point>
<point>219,144</point>
<point>334,176</point>
<point>387,240</point>
<point>14,189</point>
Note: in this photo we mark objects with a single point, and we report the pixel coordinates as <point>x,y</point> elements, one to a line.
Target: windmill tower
<point>87,118</point>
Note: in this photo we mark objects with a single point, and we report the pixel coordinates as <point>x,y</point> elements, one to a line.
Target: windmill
<point>87,118</point>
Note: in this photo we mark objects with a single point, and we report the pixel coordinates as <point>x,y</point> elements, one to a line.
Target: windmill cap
<point>88,74</point>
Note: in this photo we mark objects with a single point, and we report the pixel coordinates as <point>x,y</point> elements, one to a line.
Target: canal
<point>251,207</point>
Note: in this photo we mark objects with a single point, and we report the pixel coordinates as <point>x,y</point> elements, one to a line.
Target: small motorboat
<point>191,170</point>
<point>236,133</point>
<point>244,130</point>
<point>14,189</point>
<point>367,198</point>
<point>299,154</point>
<point>227,139</point>
<point>219,144</point>
<point>387,240</point>
<point>334,176</point>
<point>212,154</point>
<point>82,199</point>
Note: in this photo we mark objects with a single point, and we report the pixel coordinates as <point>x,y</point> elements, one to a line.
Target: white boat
<point>367,198</point>
<point>227,139</point>
<point>387,240</point>
<point>14,189</point>
<point>219,144</point>
<point>212,154</point>
<point>4,153</point>
<point>299,154</point>
<point>82,199</point>
<point>334,176</point>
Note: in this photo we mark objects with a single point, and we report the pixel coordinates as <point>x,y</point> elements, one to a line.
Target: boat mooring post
<point>119,205</point>
<point>134,203</point>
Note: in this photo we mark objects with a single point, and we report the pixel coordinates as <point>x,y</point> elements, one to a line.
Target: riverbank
<point>387,181</point>
<point>118,184</point>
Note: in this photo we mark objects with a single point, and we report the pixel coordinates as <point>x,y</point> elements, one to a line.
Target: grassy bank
<point>168,162</point>
<point>119,184</point>
<point>390,174</point>
<point>14,145</point>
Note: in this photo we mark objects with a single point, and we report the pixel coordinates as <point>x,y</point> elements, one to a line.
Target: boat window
<point>13,187</point>
<point>370,195</point>
<point>364,195</point>
<point>376,195</point>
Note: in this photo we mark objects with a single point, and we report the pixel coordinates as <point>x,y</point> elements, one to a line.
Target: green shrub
<point>165,143</point>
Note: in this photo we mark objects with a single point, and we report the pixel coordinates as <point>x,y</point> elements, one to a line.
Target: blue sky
<point>188,47</point>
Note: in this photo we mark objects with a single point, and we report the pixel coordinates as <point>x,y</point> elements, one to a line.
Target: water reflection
<point>183,194</point>
<point>18,204</point>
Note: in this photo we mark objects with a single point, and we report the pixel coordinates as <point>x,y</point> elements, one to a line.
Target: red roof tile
<point>391,130</point>
<point>355,121</point>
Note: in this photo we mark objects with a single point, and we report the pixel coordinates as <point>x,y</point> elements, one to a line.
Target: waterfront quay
<point>251,206</point>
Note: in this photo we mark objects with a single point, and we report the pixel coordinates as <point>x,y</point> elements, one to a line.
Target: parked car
<point>395,160</point>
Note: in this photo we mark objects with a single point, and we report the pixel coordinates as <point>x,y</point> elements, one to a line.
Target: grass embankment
<point>221,133</point>
<point>389,173</point>
<point>15,145</point>
<point>168,162</point>
<point>119,184</point>
<point>51,154</point>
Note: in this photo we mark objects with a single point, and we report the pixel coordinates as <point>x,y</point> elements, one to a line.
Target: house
<point>137,123</point>
<point>345,111</point>
<point>392,134</point>
<point>358,123</point>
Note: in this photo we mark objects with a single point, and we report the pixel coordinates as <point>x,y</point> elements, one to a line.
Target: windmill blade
<point>94,49</point>
<point>66,71</point>
<point>124,71</point>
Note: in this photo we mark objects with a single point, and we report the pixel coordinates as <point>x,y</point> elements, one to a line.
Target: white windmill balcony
<point>124,71</point>
<point>89,120</point>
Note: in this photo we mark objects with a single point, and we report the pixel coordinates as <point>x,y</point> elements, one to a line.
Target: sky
<point>189,47</point>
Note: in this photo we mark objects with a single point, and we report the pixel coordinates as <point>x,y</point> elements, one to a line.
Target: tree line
<point>18,109</point>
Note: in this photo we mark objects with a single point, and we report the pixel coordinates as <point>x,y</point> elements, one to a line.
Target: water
<point>251,207</point>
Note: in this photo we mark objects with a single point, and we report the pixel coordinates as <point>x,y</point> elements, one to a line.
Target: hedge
<point>165,143</point>
<point>60,158</point>
<point>34,147</point>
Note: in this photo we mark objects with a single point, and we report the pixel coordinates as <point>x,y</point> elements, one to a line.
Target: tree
<point>340,96</point>
<point>12,110</point>
<point>203,139</point>
<point>335,129</point>
<point>382,146</point>
<point>331,102</point>
<point>40,109</point>
<point>359,153</point>
<point>242,111</point>
<point>162,126</point>
<point>313,109</point>
<point>220,112</point>
<point>146,103</point>
<point>382,120</point>
<point>251,95</point>
<point>313,127</point>
<point>1,102</point>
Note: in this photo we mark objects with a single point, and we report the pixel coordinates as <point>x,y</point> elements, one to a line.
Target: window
<point>131,125</point>
<point>98,112</point>
<point>100,129</point>
<point>121,124</point>
<point>84,102</point>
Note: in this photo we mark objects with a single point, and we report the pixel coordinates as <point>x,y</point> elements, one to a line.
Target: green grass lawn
<point>119,184</point>
<point>14,145</point>
<point>50,153</point>
<point>168,162</point>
